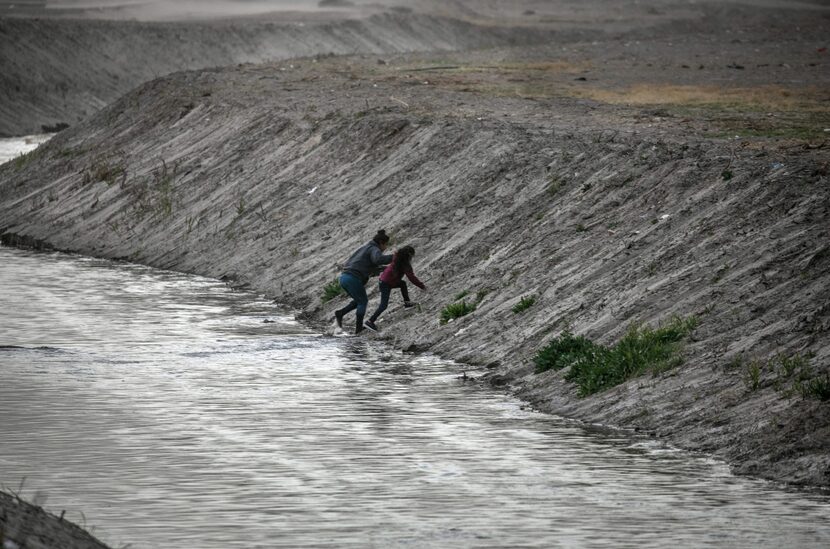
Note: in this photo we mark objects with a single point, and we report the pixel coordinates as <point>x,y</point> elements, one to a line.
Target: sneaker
<point>409,304</point>
<point>358,330</point>
<point>372,326</point>
<point>338,317</point>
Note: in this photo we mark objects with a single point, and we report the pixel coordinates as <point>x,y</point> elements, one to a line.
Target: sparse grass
<point>240,206</point>
<point>735,363</point>
<point>793,375</point>
<point>108,170</point>
<point>524,303</point>
<point>580,228</point>
<point>726,175</point>
<point>595,368</point>
<point>331,290</point>
<point>760,98</point>
<point>461,295</point>
<point>163,182</point>
<point>456,310</point>
<point>22,160</point>
<point>789,366</point>
<point>752,375</point>
<point>191,222</point>
<point>790,130</point>
<point>817,388</point>
<point>554,185</point>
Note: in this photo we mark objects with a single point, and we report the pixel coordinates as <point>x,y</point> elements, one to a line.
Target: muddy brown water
<point>167,410</point>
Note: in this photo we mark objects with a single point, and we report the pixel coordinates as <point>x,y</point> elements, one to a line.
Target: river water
<point>162,409</point>
<point>11,147</point>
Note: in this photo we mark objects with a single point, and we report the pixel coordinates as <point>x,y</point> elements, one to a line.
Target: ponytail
<point>381,237</point>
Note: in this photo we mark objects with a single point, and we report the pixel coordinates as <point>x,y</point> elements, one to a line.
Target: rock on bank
<point>271,178</point>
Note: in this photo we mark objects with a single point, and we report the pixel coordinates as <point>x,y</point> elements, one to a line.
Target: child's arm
<point>410,274</point>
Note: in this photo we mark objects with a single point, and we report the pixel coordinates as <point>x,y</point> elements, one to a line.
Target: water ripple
<point>162,407</point>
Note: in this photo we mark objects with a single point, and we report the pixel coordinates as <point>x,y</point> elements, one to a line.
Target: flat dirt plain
<point>621,162</point>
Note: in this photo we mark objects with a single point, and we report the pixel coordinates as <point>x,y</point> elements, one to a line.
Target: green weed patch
<point>456,310</point>
<point>331,290</point>
<point>595,368</point>
<point>524,303</point>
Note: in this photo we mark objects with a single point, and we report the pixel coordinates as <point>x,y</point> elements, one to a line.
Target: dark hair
<point>381,237</point>
<point>403,259</point>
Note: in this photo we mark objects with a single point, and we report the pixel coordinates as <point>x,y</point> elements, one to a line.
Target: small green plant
<point>580,228</point>
<point>726,174</point>
<point>564,351</point>
<point>105,169</point>
<point>524,303</point>
<point>461,295</point>
<point>163,179</point>
<point>817,388</point>
<point>752,375</point>
<point>191,221</point>
<point>261,214</point>
<point>735,363</point>
<point>554,184</point>
<point>456,310</point>
<point>595,368</point>
<point>789,366</point>
<point>240,206</point>
<point>795,375</point>
<point>481,294</point>
<point>331,290</point>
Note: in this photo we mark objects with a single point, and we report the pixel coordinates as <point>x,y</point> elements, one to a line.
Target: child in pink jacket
<point>392,277</point>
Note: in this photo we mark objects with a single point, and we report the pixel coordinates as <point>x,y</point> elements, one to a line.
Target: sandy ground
<point>676,165</point>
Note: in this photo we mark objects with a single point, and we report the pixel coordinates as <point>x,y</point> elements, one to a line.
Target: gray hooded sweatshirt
<point>367,261</point>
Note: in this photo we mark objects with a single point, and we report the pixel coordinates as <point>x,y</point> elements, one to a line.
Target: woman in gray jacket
<point>363,264</point>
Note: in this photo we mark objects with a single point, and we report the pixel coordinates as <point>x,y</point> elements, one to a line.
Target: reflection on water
<point>167,410</point>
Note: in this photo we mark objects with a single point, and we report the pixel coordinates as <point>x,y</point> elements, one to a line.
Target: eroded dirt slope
<point>27,525</point>
<point>56,72</point>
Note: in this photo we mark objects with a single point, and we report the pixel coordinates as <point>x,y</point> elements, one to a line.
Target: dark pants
<point>385,291</point>
<point>354,287</point>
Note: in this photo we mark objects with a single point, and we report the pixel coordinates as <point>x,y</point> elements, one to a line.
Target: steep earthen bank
<point>28,526</point>
<point>56,72</point>
<point>269,178</point>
